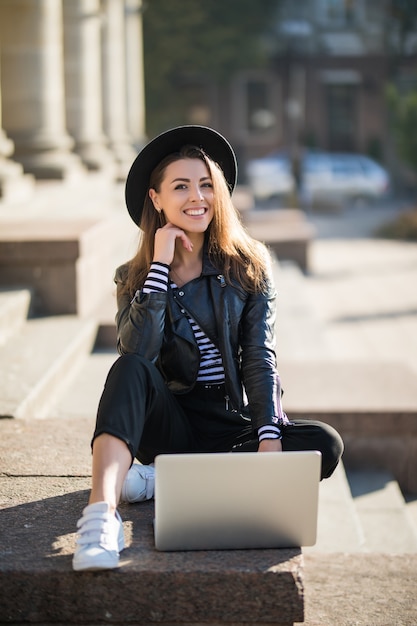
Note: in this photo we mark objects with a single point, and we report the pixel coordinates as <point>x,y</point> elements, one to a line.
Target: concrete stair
<point>338,524</point>
<point>364,512</point>
<point>287,233</point>
<point>14,308</point>
<point>384,516</point>
<point>38,361</point>
<point>300,335</point>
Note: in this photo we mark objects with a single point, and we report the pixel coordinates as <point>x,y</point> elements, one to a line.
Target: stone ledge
<point>350,386</point>
<point>59,239</point>
<point>68,264</point>
<point>14,309</point>
<point>361,589</point>
<point>285,231</point>
<point>372,405</point>
<point>375,440</point>
<point>37,364</point>
<point>151,587</point>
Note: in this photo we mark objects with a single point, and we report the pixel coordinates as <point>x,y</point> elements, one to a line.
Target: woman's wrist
<point>157,262</point>
<point>270,445</point>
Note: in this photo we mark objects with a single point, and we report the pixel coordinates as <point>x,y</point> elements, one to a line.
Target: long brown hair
<point>231,249</point>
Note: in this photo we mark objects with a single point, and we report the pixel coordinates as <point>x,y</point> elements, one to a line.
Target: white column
<point>114,85</point>
<point>82,48</point>
<point>33,87</point>
<point>14,185</point>
<point>135,72</point>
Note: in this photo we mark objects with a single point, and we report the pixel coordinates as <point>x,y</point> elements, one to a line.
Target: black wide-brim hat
<point>169,142</point>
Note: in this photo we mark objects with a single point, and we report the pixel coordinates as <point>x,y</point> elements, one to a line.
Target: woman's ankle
<point>96,500</point>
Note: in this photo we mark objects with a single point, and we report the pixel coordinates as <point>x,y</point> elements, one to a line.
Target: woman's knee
<point>313,435</point>
<point>332,450</point>
<point>132,369</point>
<point>131,363</point>
<point>132,385</point>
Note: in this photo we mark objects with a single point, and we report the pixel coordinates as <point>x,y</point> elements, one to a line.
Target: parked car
<point>351,179</point>
<point>325,178</point>
<point>270,176</point>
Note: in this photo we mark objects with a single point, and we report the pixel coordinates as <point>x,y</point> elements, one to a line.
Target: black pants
<point>137,407</point>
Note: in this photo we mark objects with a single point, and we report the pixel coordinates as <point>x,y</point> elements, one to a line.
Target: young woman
<point>195,321</point>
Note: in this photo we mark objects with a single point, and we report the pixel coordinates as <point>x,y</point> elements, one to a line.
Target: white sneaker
<point>100,538</point>
<point>139,484</point>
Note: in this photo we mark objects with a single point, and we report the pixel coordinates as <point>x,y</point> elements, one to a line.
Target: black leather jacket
<point>240,324</point>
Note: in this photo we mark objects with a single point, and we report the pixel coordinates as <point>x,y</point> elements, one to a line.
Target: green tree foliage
<point>191,41</point>
<point>403,227</point>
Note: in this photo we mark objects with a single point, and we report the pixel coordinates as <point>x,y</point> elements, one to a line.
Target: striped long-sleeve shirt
<point>211,369</point>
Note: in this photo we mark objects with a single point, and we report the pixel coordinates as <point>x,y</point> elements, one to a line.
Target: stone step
<point>68,263</point>
<point>38,363</point>
<point>411,504</point>
<point>338,525</point>
<point>38,585</point>
<point>363,511</point>
<point>105,315</point>
<point>371,404</point>
<point>45,494</point>
<point>350,386</point>
<point>360,589</point>
<point>82,396</point>
<point>387,524</point>
<point>300,333</point>
<point>287,232</point>
<point>14,308</point>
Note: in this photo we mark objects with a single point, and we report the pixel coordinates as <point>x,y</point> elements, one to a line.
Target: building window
<point>342,118</point>
<point>259,117</point>
<point>337,12</point>
<point>256,106</point>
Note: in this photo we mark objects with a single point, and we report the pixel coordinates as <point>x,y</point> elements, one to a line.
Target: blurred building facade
<point>71,88</point>
<point>330,63</point>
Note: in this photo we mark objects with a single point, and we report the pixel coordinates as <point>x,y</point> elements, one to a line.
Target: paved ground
<point>364,292</point>
<point>364,289</point>
<point>359,222</point>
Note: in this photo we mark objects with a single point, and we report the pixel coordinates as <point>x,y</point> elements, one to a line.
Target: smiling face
<point>186,195</point>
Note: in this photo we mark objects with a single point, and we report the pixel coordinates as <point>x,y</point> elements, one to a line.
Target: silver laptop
<point>228,501</point>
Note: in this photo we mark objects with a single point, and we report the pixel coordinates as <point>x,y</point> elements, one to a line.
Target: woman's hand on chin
<point>165,238</point>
